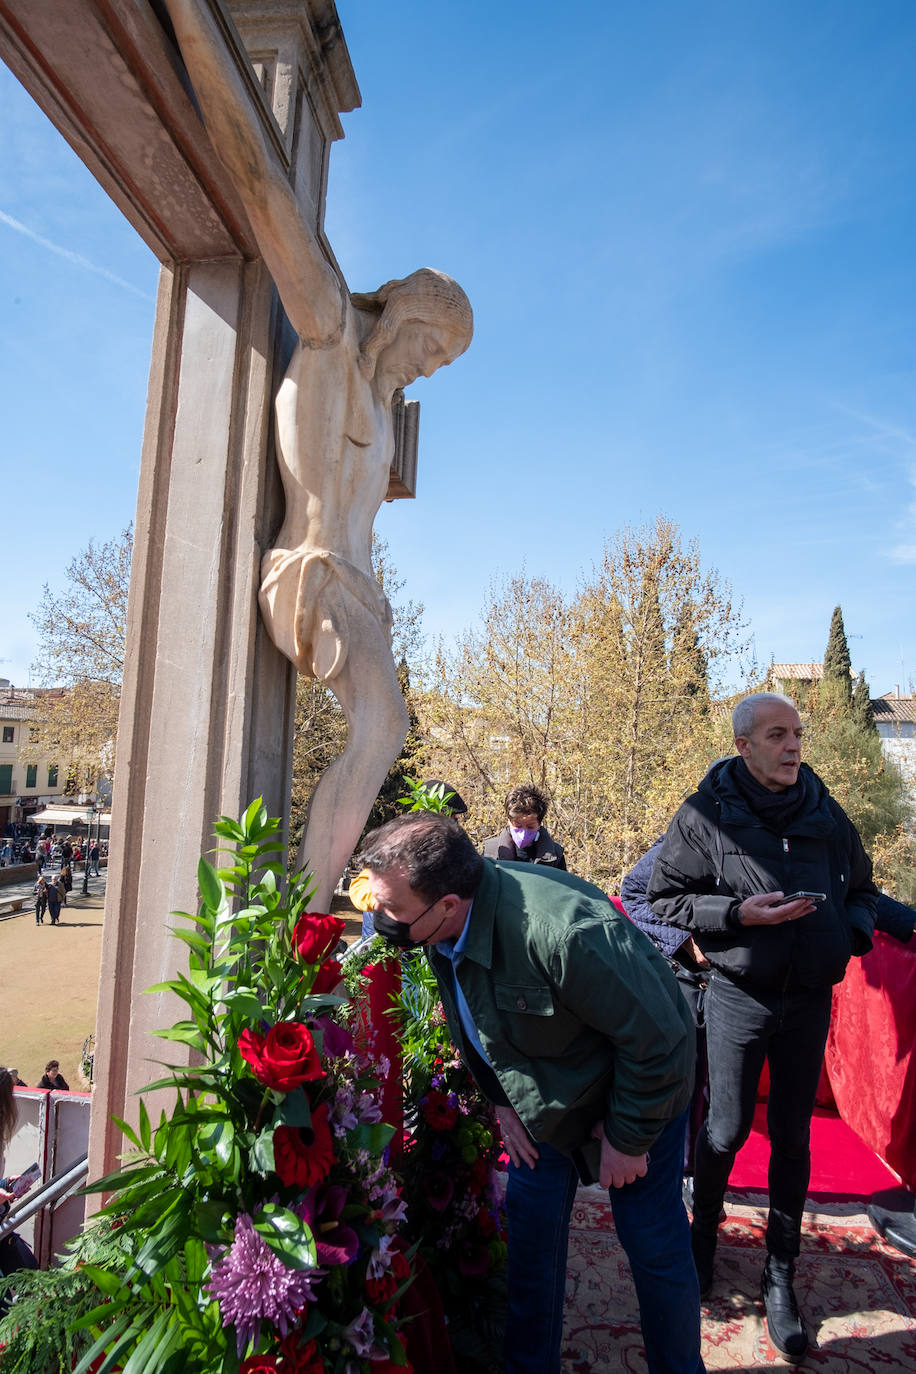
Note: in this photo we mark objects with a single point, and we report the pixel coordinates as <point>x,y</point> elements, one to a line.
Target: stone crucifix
<point>335,440</point>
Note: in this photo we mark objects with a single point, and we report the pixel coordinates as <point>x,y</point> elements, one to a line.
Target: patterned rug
<point>857,1293</point>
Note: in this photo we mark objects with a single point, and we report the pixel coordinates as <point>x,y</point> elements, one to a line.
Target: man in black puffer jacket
<point>760,828</point>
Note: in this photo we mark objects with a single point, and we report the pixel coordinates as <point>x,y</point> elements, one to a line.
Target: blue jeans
<point>652,1227</point>
<point>744,1027</point>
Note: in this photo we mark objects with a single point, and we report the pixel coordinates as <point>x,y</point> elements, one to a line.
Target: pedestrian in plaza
<point>53,900</point>
<point>573,1026</point>
<point>94,860</point>
<point>6,854</point>
<point>53,1078</point>
<point>767,874</point>
<point>525,838</point>
<point>40,891</point>
<point>62,889</point>
<point>66,877</point>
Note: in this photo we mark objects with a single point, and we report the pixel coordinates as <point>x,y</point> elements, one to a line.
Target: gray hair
<point>745,713</point>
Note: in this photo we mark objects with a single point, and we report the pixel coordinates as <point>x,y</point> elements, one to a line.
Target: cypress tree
<point>837,678</point>
<point>862,712</point>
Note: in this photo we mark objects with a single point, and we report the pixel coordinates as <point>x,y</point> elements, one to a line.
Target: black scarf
<point>777,810</point>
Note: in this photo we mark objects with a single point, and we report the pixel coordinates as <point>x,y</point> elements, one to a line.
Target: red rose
<point>301,1164</point>
<point>315,935</point>
<point>299,1358</point>
<point>327,977</point>
<point>440,1115</point>
<point>284,1058</point>
<point>259,1364</point>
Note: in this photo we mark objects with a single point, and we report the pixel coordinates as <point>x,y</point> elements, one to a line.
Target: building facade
<point>24,787</point>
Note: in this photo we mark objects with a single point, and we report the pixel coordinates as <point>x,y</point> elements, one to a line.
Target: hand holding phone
<point>814,897</point>
<point>21,1185</point>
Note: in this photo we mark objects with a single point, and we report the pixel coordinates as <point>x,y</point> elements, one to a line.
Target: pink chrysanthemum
<point>252,1284</point>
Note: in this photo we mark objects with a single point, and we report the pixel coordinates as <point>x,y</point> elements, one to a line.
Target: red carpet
<point>842,1165</point>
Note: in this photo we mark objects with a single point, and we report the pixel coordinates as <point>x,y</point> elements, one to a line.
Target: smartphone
<point>21,1185</point>
<point>797,896</point>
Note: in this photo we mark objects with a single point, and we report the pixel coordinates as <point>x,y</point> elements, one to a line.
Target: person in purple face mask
<point>525,838</point>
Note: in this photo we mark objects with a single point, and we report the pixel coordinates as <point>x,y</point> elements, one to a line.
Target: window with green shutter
<point>6,779</point>
<point>31,775</point>
<point>52,774</point>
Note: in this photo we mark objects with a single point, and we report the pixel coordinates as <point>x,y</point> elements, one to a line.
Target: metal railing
<point>53,1191</point>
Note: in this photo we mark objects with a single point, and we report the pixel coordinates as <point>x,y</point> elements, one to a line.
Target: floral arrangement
<point>260,1216</point>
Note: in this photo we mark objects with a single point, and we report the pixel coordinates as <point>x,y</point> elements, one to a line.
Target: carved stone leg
<point>370,696</point>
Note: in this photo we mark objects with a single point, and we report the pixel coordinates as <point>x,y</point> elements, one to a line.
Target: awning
<point>68,815</point>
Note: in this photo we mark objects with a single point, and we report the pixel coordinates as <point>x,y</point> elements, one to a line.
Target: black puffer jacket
<point>717,852</point>
<point>543,851</point>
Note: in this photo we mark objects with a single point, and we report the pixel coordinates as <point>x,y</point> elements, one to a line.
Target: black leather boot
<point>784,1323</point>
<point>703,1244</point>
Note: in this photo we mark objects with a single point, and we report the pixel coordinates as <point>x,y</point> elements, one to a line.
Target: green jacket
<point>578,1013</point>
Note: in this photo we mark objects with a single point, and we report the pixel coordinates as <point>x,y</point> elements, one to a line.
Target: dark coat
<point>717,852</point>
<point>545,850</point>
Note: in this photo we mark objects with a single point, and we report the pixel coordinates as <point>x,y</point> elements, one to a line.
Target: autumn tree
<point>320,728</point>
<point>82,632</point>
<point>602,698</point>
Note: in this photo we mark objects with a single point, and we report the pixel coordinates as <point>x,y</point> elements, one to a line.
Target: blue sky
<point>687,233</point>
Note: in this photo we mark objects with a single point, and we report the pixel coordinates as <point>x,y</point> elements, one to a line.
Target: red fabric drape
<point>871,1052</point>
<point>377,1035</point>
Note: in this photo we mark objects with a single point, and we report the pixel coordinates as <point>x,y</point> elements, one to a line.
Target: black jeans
<point>744,1027</point>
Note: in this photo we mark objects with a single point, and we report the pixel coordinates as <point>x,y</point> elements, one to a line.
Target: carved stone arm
<point>313,295</point>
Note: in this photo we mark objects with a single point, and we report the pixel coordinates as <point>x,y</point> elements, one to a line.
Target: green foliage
<point>862,711</point>
<point>33,1335</point>
<point>853,765</point>
<point>419,797</point>
<point>196,1178</point>
<point>837,679</point>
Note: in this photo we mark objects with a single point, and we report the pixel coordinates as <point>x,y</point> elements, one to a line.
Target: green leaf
<point>293,1109</point>
<point>254,812</point>
<point>211,1218</point>
<point>287,1235</point>
<point>262,1152</point>
<point>127,1131</point>
<point>211,889</point>
<point>244,1002</point>
<point>217,1138</point>
<point>108,1283</point>
<point>373,1137</point>
<point>186,1033</point>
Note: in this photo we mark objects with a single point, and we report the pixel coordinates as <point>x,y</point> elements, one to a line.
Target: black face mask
<point>397,933</point>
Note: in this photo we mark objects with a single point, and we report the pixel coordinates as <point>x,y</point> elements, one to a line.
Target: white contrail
<point>75,258</point>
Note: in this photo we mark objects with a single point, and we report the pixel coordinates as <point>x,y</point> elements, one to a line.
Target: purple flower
<point>320,1209</point>
<point>336,1042</point>
<point>380,1259</point>
<point>252,1284</point>
<point>361,1335</point>
<point>368,1109</point>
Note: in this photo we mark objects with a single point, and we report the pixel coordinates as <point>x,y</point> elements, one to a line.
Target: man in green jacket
<point>573,1025</point>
